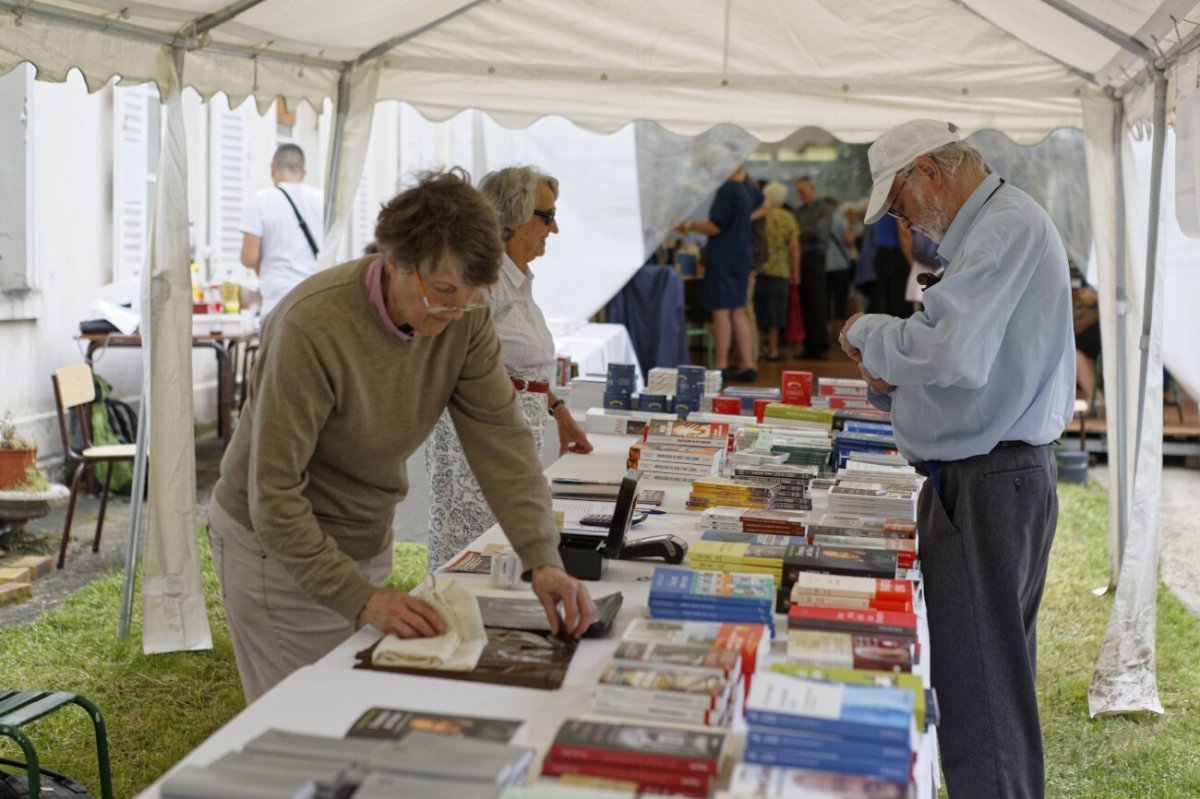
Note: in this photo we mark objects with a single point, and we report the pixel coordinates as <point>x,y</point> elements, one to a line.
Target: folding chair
<point>74,391</point>
<point>18,708</point>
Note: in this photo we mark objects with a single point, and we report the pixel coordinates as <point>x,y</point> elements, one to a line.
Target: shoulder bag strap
<point>303,225</point>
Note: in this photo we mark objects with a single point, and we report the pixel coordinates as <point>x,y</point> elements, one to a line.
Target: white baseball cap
<point>896,149</point>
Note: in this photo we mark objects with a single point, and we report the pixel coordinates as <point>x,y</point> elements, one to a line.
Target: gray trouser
<point>985,545</point>
<point>275,626</point>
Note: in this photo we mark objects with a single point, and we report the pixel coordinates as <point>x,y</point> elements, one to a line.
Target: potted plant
<point>16,454</point>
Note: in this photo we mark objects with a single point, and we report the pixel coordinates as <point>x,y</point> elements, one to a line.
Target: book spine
<point>843,765</point>
<point>845,729</point>
<point>670,779</point>
<point>626,757</point>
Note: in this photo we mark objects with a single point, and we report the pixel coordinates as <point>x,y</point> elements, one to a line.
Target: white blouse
<point>525,341</point>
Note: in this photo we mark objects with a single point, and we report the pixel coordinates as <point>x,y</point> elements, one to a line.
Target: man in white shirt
<point>282,228</point>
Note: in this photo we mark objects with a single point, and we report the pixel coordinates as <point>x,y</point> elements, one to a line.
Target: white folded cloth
<point>457,649</point>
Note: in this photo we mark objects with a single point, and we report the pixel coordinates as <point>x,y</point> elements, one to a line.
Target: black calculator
<point>605,519</point>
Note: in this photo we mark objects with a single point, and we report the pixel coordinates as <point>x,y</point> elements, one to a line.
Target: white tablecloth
<point>327,697</point>
<point>595,346</point>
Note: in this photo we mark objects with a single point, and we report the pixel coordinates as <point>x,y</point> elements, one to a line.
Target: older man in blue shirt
<point>979,383</point>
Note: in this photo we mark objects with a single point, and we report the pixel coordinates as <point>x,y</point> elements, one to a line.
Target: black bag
<point>53,784</point>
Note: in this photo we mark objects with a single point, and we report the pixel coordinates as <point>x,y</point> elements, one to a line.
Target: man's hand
<point>399,613</point>
<point>844,340</point>
<point>552,586</point>
<point>876,384</point>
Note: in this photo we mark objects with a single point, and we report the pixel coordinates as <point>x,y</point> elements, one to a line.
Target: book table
<point>328,696</point>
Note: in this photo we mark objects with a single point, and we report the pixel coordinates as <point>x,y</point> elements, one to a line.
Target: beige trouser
<point>275,626</point>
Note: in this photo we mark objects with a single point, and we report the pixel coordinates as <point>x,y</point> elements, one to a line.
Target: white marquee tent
<point>853,67</point>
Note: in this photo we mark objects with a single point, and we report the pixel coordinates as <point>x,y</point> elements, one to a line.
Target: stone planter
<point>13,463</point>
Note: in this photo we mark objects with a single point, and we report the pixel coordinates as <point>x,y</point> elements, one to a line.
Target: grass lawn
<point>160,707</point>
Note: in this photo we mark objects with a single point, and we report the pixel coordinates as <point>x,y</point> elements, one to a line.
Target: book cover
<point>680,431</point>
<point>877,622</point>
<point>738,552</point>
<point>849,586</point>
<point>894,679</point>
<point>838,560</point>
<point>856,712</point>
<point>640,745</point>
<point>776,782</point>
<point>785,597</point>
<point>680,782</point>
<point>395,723</point>
<point>851,650</point>
<point>815,742</point>
<point>842,764</point>
<point>678,654</point>
<point>679,583</point>
<point>661,682</point>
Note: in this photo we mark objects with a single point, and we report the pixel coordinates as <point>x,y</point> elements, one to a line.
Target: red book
<point>684,782</point>
<point>640,746</point>
<point>882,622</point>
<point>879,588</point>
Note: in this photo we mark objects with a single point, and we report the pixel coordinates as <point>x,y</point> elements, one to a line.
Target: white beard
<point>935,220</point>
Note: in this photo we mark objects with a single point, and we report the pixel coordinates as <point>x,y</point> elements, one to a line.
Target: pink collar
<point>374,287</point>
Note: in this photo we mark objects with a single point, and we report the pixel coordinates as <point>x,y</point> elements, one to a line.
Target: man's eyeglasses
<point>440,309</point>
<point>891,211</point>
<point>546,216</point>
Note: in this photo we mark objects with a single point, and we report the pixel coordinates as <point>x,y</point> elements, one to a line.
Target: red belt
<point>535,386</point>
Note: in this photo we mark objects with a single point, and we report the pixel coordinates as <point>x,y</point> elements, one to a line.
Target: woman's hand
<point>553,586</point>
<point>399,613</point>
<point>571,437</point>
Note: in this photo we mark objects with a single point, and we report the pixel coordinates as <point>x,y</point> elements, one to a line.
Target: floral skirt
<point>458,513</point>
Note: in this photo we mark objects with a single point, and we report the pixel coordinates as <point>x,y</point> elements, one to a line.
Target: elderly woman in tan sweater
<point>356,365</point>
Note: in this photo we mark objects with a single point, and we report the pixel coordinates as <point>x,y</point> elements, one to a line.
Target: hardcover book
<point>640,745</point>
<point>394,723</point>
<point>855,712</point>
<point>851,650</point>
<point>838,560</point>
<point>755,589</point>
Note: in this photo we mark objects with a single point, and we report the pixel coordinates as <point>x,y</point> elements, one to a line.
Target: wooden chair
<point>18,708</point>
<point>74,391</point>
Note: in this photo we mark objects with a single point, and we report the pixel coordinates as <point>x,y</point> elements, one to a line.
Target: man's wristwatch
<point>554,406</point>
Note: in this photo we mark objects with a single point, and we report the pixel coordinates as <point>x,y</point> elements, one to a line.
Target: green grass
<point>160,707</point>
<point>157,707</point>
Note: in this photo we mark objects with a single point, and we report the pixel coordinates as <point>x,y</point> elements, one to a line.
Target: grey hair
<point>289,158</point>
<point>513,191</point>
<point>949,158</point>
<point>775,193</point>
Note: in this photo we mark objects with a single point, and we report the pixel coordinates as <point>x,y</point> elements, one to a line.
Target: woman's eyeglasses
<point>441,309</point>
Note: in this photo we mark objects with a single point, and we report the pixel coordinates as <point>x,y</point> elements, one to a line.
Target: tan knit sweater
<point>336,406</point>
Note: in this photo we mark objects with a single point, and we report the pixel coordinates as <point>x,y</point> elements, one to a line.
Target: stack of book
<point>925,709</point>
<point>677,760</point>
<point>288,764</point>
<point>681,463</point>
<point>848,443</point>
<point>779,414</point>
<point>750,781</point>
<point>793,480</point>
<point>739,556</point>
<point>838,392</point>
<point>703,595</point>
<point>867,532</point>
<point>846,638</point>
<point>710,492</point>
<point>729,519</point>
<point>841,591</point>
<point>803,447</point>
<point>750,642</point>
<point>875,495</point>
<point>587,392</point>
<point>862,730</point>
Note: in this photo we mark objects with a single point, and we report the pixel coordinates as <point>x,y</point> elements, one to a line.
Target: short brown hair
<point>443,215</point>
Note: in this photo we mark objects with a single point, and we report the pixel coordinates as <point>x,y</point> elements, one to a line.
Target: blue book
<point>814,742</point>
<point>824,761</point>
<point>855,426</point>
<point>661,609</point>
<point>858,712</point>
<point>733,587</point>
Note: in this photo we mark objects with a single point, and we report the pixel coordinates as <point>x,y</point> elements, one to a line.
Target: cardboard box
<point>727,405</point>
<point>796,387</point>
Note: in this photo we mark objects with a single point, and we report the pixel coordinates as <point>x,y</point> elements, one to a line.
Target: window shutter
<point>228,143</point>
<point>131,184</point>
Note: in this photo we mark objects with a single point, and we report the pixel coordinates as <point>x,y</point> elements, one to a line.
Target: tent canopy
<point>853,66</point>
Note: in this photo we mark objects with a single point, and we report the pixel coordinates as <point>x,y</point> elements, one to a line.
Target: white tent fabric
<point>854,67</point>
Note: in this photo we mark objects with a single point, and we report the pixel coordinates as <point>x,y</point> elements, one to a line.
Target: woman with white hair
<point>779,272</point>
<point>458,512</point>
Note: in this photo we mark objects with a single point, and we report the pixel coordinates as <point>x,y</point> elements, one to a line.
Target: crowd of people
<point>761,249</point>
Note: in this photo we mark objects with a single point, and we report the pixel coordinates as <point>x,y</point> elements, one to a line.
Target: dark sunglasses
<point>546,216</point>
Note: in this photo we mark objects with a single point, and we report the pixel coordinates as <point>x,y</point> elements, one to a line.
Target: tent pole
<point>383,48</point>
<point>134,546</point>
<point>1122,305</point>
<point>218,18</point>
<point>1117,37</point>
<point>1156,167</point>
<point>334,168</point>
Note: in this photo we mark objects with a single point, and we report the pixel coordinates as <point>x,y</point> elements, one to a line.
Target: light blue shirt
<point>991,358</point>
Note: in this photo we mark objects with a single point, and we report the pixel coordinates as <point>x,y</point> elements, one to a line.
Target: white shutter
<point>366,204</point>
<point>228,141</point>
<point>131,186</point>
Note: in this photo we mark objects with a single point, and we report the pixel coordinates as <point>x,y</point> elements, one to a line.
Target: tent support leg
<point>1116,398</point>
<point>1158,144</point>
